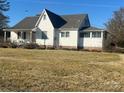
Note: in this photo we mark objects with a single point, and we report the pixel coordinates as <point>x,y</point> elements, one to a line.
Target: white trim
<point>69,29</point>
<point>92,30</point>
<point>41,18</point>
<point>15,29</point>
<point>5,36</point>
<point>38,21</point>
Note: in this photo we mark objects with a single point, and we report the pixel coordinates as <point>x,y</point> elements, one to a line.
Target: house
<point>58,31</point>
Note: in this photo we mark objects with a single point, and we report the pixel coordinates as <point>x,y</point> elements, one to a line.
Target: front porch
<point>20,36</point>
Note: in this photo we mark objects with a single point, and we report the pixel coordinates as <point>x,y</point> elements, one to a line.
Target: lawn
<point>59,70</point>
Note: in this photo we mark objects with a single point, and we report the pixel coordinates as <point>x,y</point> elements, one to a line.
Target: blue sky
<point>99,11</point>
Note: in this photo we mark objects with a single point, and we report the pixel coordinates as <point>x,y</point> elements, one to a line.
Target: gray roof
<point>92,29</point>
<point>56,20</point>
<point>73,21</point>
<point>26,23</point>
<point>66,21</point>
<point>63,22</point>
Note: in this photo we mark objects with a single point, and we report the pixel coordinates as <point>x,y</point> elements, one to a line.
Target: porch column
<point>4,36</point>
<point>30,36</point>
<point>21,35</point>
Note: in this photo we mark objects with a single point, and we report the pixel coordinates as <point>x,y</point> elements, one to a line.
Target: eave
<point>17,29</point>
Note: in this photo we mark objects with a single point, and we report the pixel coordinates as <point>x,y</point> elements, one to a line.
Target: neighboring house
<point>58,31</point>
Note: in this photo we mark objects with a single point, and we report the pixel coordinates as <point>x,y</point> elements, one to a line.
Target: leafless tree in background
<point>115,28</point>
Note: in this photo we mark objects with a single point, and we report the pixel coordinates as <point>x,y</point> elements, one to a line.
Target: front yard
<point>59,70</point>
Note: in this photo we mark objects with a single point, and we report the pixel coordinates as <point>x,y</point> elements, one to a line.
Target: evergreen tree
<point>4,6</point>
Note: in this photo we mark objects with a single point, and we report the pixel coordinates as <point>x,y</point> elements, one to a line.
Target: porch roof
<point>27,24</point>
<point>93,29</point>
<point>9,29</point>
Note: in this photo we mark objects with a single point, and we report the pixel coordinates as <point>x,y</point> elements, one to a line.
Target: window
<point>19,35</point>
<point>96,34</point>
<point>44,35</point>
<point>85,34</point>
<point>62,34</point>
<point>44,17</point>
<point>65,34</point>
<point>24,35</point>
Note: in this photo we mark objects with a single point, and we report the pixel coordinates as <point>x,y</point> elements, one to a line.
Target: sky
<point>99,11</point>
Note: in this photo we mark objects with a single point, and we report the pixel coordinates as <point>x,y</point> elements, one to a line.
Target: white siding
<point>45,25</point>
<point>69,41</point>
<point>13,36</point>
<point>91,42</point>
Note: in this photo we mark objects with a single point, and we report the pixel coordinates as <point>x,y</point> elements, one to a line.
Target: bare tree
<point>115,27</point>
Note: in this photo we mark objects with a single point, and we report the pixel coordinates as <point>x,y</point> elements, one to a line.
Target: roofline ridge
<point>74,14</point>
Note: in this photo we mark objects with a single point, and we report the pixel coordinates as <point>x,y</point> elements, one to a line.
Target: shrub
<point>31,46</point>
<point>119,50</point>
<point>5,45</point>
<point>121,44</point>
<point>96,50</point>
<point>14,45</point>
<point>42,47</point>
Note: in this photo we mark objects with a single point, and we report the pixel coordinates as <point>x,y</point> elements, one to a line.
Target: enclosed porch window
<point>96,34</point>
<point>85,34</point>
<point>21,35</point>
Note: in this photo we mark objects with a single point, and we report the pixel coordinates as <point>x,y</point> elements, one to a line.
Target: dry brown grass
<point>59,70</point>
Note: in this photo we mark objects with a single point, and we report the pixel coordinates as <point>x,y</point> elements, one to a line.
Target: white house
<point>58,31</point>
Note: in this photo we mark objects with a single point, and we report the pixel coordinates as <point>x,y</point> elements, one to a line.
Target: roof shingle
<point>73,21</point>
<point>26,23</point>
<point>63,22</point>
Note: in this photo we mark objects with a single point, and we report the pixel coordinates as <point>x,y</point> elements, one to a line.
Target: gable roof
<point>59,22</point>
<point>66,21</point>
<point>26,23</point>
<point>56,20</point>
<point>73,21</point>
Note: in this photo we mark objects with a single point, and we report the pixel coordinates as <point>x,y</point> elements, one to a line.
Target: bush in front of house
<point>5,45</point>
<point>14,45</point>
<point>25,45</point>
<point>118,50</point>
<point>31,46</point>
